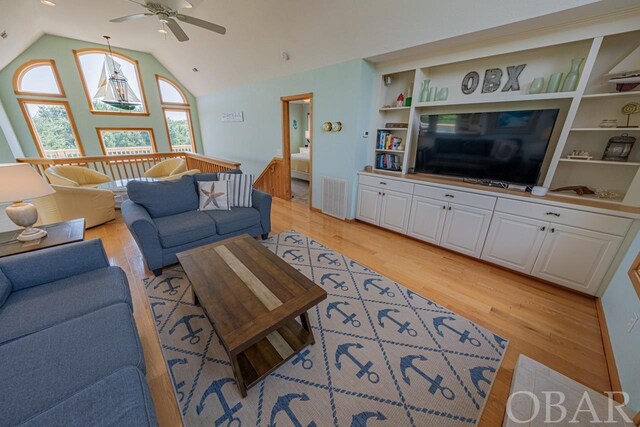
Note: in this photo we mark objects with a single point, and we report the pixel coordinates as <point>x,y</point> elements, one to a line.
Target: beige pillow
<point>214,195</point>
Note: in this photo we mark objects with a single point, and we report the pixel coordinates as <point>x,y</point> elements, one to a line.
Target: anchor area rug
<point>384,355</point>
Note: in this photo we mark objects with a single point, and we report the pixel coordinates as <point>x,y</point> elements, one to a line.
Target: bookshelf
<point>581,110</point>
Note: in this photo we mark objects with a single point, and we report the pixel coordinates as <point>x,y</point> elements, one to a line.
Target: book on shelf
<point>385,140</point>
<point>388,162</point>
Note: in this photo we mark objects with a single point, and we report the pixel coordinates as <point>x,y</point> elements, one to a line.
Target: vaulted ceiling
<point>314,33</point>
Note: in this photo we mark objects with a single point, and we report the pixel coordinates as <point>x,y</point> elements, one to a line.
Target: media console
<point>578,246</point>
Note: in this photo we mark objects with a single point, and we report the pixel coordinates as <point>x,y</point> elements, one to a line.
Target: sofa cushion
<point>235,219</point>
<point>121,399</point>
<point>5,288</point>
<point>164,198</point>
<point>47,367</point>
<point>185,227</point>
<point>33,309</point>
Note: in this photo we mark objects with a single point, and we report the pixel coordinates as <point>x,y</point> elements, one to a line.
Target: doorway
<point>297,146</point>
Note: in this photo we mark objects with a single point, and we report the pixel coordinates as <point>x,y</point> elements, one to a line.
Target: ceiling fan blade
<point>177,31</point>
<point>201,23</point>
<point>131,17</point>
<point>174,4</point>
<point>137,2</point>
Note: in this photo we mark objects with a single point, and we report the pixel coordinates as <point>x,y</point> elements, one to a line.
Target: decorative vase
<point>571,81</point>
<point>443,94</point>
<point>554,82</point>
<point>424,90</point>
<point>432,94</point>
<point>536,85</point>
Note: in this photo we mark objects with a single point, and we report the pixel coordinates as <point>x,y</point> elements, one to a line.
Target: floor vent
<point>334,197</point>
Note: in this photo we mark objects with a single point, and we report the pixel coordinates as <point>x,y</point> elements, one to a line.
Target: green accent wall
<point>6,156</point>
<point>61,49</point>
<point>341,92</point>
<point>620,301</point>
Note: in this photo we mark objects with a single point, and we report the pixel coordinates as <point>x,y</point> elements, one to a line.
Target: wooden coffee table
<point>252,298</point>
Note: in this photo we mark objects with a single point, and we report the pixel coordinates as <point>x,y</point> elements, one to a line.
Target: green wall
<point>341,92</point>
<point>61,50</point>
<point>620,301</point>
<point>6,156</point>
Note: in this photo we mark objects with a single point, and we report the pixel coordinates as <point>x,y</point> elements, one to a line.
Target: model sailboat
<point>113,87</point>
<point>626,75</point>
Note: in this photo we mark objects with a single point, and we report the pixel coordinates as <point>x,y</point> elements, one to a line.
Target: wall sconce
<point>332,126</point>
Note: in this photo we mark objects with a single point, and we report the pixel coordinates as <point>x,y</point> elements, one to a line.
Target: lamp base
<point>25,215</point>
<point>31,233</point>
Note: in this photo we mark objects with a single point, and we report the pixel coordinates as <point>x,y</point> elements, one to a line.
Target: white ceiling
<point>314,33</point>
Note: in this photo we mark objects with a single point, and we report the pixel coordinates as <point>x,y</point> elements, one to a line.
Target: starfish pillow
<point>213,195</point>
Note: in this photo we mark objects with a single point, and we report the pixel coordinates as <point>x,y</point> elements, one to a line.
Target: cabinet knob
<point>384,194</point>
<point>449,195</point>
<point>444,207</point>
<point>553,230</point>
<point>449,207</point>
<point>383,183</point>
<point>553,213</point>
<point>543,228</point>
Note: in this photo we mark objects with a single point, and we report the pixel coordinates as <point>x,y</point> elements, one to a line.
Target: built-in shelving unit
<point>581,111</point>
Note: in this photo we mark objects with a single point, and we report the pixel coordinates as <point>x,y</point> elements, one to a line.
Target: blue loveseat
<point>164,219</point>
<point>69,349</point>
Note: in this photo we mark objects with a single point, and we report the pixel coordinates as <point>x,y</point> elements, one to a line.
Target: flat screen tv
<point>505,146</point>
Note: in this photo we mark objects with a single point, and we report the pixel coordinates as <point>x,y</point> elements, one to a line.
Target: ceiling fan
<point>167,12</point>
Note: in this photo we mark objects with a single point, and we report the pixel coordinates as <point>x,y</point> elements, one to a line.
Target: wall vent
<point>334,197</point>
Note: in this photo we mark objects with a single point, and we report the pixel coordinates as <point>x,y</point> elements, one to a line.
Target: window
<point>177,115</point>
<point>170,93</point>
<point>634,274</point>
<point>52,127</point>
<point>38,77</point>
<point>95,67</point>
<point>179,129</point>
<point>118,142</point>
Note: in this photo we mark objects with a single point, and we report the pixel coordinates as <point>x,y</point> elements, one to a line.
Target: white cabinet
<point>576,258</point>
<point>394,213</point>
<point>368,204</point>
<point>388,209</point>
<point>514,241</point>
<point>427,219</point>
<point>465,229</point>
<point>571,247</point>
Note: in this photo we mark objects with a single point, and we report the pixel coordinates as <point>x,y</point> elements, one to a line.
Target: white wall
<point>340,93</point>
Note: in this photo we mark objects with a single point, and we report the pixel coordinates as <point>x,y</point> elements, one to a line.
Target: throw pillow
<point>240,189</point>
<point>214,195</point>
<point>164,198</point>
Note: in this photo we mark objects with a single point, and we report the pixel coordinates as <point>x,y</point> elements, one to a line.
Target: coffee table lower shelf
<point>259,360</point>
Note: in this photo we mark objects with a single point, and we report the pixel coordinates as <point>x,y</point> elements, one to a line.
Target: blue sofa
<point>69,348</point>
<point>164,219</point>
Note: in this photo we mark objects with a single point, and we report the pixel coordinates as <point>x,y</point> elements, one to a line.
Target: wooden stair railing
<point>274,180</point>
<point>132,165</point>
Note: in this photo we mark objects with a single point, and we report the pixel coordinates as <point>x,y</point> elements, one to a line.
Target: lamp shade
<point>19,181</point>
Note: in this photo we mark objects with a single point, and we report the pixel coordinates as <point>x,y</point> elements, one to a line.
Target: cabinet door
<point>368,204</point>
<point>427,219</point>
<point>576,258</point>
<point>394,213</point>
<point>514,241</point>
<point>465,229</point>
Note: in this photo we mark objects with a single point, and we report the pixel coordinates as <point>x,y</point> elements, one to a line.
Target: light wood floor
<point>553,326</point>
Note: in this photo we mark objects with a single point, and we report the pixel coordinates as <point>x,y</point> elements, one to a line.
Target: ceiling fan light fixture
<point>47,3</point>
<point>163,31</point>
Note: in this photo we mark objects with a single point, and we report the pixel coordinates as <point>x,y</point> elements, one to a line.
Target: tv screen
<point>506,146</point>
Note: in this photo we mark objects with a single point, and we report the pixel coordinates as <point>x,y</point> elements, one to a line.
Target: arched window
<point>177,115</point>
<point>170,93</point>
<point>107,96</point>
<point>38,77</point>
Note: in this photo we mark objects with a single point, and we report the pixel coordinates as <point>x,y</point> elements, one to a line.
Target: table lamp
<point>19,181</point>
